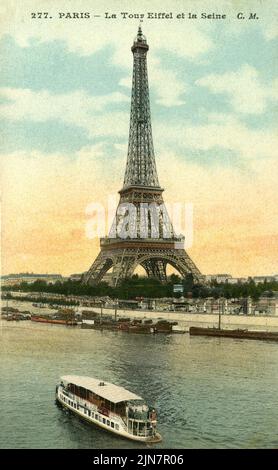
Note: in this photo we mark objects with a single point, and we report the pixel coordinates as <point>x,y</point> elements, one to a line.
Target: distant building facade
<point>15,279</point>
<point>218,277</point>
<point>259,279</point>
<point>222,278</point>
<point>75,277</point>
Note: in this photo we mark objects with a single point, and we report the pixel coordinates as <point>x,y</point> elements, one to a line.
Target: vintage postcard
<point>139,270</point>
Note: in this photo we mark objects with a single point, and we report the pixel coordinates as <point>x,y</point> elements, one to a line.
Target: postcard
<point>139,279</point>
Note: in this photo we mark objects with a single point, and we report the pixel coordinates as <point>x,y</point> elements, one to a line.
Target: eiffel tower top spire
<point>140,167</point>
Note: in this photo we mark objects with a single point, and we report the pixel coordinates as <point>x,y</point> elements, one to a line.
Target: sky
<point>64,114</point>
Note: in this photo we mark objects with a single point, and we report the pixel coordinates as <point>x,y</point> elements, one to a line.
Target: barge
<point>109,406</point>
<point>244,334</point>
<point>134,326</point>
<point>56,321</point>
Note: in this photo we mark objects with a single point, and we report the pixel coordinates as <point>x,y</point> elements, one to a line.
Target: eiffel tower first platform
<point>141,233</point>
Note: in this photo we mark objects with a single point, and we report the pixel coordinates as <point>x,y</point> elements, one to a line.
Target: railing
<point>93,407</point>
<point>136,431</point>
<point>108,241</point>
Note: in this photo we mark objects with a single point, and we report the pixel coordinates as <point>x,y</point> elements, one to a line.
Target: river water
<point>209,392</point>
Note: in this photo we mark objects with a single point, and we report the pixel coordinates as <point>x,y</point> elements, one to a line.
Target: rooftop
<point>108,391</point>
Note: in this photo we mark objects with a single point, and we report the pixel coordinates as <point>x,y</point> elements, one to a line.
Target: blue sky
<point>65,90</point>
<point>51,64</point>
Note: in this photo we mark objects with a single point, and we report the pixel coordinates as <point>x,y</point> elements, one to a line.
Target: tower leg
<point>99,267</point>
<point>154,262</point>
<point>155,268</point>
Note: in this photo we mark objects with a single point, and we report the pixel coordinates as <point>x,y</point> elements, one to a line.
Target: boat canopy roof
<point>106,390</point>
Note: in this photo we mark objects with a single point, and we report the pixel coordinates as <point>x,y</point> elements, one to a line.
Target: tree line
<point>137,286</point>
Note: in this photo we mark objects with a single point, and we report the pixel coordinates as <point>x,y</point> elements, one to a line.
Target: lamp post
<point>116,307</point>
<point>101,307</point>
<point>220,311</point>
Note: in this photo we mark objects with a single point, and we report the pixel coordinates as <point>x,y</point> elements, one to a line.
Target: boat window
<point>104,421</point>
<point>112,424</point>
<point>108,422</point>
<point>117,427</point>
<point>74,405</point>
<point>96,416</point>
<point>89,413</point>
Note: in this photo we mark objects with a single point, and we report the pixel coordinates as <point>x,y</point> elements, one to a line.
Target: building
<point>237,280</point>
<point>218,277</point>
<point>75,277</point>
<point>260,279</point>
<point>16,279</point>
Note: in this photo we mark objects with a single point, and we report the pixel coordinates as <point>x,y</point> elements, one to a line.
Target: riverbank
<point>262,322</point>
<point>184,319</point>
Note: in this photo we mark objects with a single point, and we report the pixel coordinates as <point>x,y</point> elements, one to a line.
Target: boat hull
<point>54,321</point>
<point>244,334</point>
<point>121,432</point>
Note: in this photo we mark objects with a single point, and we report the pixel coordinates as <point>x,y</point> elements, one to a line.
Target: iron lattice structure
<point>148,239</point>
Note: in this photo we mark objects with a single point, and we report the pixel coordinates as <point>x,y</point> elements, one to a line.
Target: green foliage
<point>151,288</point>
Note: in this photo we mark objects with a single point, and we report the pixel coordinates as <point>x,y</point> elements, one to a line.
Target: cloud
<point>235,212</point>
<point>43,206</point>
<point>168,87</point>
<point>247,94</point>
<point>222,131</point>
<point>271,31</point>
<point>160,78</point>
<point>78,108</point>
<point>45,197</point>
<point>87,36</point>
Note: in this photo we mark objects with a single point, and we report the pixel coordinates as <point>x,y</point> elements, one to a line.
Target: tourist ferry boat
<point>110,407</point>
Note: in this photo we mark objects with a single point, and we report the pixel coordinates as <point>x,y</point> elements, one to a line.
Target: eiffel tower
<point>141,233</point>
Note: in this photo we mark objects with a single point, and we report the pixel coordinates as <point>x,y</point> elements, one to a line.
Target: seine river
<point>209,392</point>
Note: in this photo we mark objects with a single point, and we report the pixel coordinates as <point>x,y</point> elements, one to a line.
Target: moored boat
<point>53,320</point>
<point>109,406</point>
<point>239,333</point>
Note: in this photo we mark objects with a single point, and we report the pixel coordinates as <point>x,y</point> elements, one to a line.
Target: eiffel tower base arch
<point>123,262</point>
